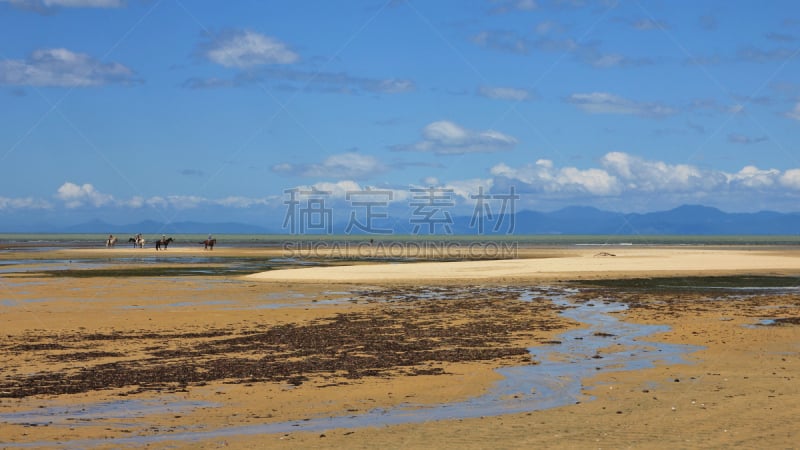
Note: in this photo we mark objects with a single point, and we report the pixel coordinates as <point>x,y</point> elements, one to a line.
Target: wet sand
<point>196,353</point>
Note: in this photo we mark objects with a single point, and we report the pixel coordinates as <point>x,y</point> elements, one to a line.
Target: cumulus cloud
<point>753,177</point>
<point>505,93</point>
<point>466,188</point>
<point>7,203</point>
<point>338,190</point>
<point>606,103</point>
<point>448,138</point>
<point>343,165</point>
<point>544,177</point>
<point>791,179</point>
<point>74,195</point>
<point>644,175</point>
<point>63,68</point>
<point>243,49</point>
<point>626,176</point>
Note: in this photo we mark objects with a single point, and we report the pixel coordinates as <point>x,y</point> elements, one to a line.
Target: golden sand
<point>740,390</point>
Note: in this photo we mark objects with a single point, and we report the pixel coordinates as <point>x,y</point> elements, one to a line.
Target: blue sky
<point>198,110</point>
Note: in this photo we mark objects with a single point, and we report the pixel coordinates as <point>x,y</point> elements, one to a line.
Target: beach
<point>255,347</point>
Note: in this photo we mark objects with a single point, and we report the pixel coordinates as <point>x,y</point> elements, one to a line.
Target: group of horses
<point>138,242</point>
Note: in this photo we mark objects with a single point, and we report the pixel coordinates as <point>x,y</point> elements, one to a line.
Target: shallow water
<point>607,344</point>
<point>85,414</point>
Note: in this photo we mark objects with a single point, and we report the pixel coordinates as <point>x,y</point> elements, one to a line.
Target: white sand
<point>585,264</point>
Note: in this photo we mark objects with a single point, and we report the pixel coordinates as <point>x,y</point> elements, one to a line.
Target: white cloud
<point>791,179</point>
<point>64,68</point>
<point>156,202</point>
<point>134,202</point>
<point>626,178</point>
<point>504,93</point>
<point>75,196</point>
<point>593,181</point>
<point>338,189</point>
<point>185,201</point>
<point>7,203</point>
<point>241,202</point>
<point>430,181</point>
<point>465,188</point>
<point>544,177</point>
<point>245,49</point>
<point>343,165</point>
<point>657,176</point>
<point>794,113</point>
<point>605,103</point>
<point>448,138</point>
<point>753,177</point>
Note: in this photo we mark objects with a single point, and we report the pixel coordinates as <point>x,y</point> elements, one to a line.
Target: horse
<point>164,242</point>
<point>137,242</point>
<point>209,244</point>
<point>111,242</point>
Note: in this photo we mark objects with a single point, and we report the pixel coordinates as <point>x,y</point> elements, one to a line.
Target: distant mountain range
<point>684,220</point>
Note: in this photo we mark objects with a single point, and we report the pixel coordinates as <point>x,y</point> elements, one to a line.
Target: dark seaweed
<point>406,335</point>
